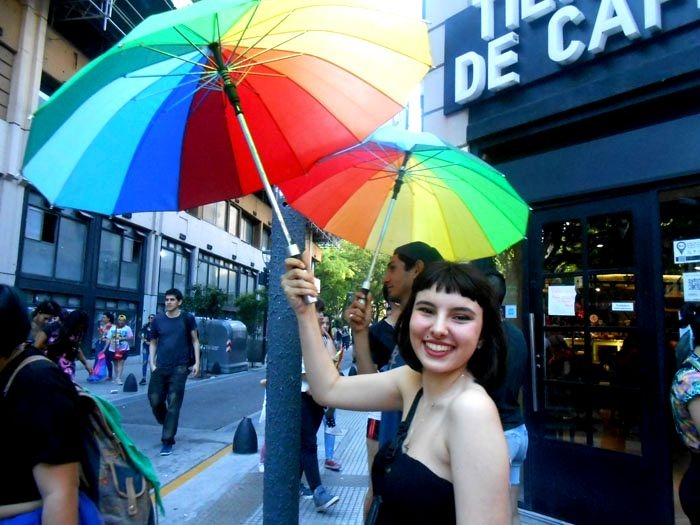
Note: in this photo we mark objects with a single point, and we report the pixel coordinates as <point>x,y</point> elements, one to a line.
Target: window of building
<point>265,239</point>
<point>215,214</point>
<point>233,218</point>
<point>120,256</point>
<point>215,272</point>
<point>174,267</point>
<point>247,229</point>
<point>54,241</point>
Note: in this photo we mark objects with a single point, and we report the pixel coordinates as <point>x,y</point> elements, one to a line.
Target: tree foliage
<point>251,310</point>
<point>205,301</point>
<point>342,271</point>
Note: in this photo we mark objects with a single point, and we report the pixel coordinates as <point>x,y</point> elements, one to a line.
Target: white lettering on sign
<point>470,77</point>
<point>614,16</point>
<point>501,57</point>
<point>555,41</point>
<point>531,10</point>
<point>652,14</point>
<point>498,70</point>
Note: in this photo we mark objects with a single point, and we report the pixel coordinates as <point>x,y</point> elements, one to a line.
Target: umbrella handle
<point>293,251</point>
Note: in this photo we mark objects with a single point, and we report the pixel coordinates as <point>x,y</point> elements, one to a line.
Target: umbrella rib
<point>141,96</point>
<point>195,46</point>
<point>177,57</point>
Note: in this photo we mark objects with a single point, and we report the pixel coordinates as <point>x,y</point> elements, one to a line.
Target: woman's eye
<point>462,318</point>
<point>425,309</point>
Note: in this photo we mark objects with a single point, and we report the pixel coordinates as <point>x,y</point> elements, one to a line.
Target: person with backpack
<point>41,437</point>
<point>174,348</point>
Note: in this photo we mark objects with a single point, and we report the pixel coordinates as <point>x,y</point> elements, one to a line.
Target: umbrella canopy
<point>151,124</point>
<point>399,186</point>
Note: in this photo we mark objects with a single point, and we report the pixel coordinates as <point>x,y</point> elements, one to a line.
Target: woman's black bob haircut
<point>14,321</point>
<point>487,364</point>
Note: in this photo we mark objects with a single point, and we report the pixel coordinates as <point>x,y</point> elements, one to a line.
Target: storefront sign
<point>687,251</point>
<point>511,311</point>
<point>494,45</point>
<point>561,300</point>
<point>691,287</point>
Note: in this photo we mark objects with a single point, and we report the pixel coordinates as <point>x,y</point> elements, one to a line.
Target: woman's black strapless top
<point>410,492</point>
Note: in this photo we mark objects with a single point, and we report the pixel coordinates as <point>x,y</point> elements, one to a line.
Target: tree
<point>205,301</point>
<point>251,310</point>
<point>342,270</point>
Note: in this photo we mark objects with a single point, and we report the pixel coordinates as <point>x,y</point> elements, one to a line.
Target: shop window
<point>563,246</point>
<point>610,241</point>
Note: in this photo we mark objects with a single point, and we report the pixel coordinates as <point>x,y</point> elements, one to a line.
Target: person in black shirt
<point>41,427</point>
<point>169,353</point>
<point>507,396</point>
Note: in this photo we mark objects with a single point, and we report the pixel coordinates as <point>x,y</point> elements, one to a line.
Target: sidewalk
<point>209,484</point>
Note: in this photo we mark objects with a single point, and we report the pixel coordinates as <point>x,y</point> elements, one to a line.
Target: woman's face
<point>445,329</point>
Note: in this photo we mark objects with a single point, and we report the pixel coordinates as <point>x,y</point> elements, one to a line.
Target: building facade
<point>592,111</point>
<point>121,264</point>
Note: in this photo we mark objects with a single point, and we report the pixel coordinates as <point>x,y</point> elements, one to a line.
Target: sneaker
<point>166,450</point>
<point>305,492</point>
<point>143,381</point>
<point>120,382</point>
<point>323,500</point>
<point>332,464</point>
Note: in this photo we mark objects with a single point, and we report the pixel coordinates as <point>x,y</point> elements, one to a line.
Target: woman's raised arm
<point>361,392</point>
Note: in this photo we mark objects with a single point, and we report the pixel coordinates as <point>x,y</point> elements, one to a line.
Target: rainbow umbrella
<point>400,186</point>
<point>157,122</point>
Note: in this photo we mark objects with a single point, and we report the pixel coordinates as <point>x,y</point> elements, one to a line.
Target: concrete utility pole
<point>283,421</point>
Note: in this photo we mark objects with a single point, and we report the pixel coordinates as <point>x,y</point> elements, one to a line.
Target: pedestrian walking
<point>173,340</point>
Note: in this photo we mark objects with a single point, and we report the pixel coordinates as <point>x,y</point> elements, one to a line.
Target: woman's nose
<point>439,327</point>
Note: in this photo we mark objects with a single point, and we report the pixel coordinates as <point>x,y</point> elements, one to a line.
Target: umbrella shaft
<point>382,233</point>
<point>263,176</point>
<point>229,87</point>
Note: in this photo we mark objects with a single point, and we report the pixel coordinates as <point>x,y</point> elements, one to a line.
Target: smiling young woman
<point>440,468</point>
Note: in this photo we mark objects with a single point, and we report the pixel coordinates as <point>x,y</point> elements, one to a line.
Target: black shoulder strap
<point>185,316</point>
<point>400,437</point>
<point>414,407</point>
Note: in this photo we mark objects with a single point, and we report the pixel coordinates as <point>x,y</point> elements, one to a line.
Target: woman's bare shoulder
<point>473,403</point>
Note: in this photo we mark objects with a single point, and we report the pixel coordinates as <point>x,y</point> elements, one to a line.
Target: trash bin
<point>223,344</point>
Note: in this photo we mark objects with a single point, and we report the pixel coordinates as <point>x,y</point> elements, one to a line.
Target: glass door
<point>593,447</point>
<point>680,259</point>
